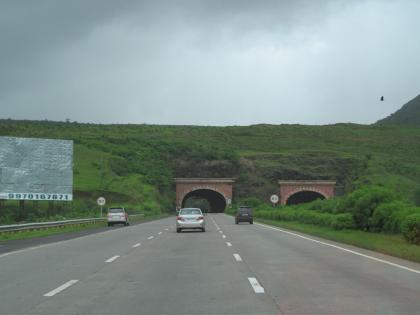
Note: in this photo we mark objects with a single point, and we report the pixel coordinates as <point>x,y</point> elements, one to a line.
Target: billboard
<point>36,169</point>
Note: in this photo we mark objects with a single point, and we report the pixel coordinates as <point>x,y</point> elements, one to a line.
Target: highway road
<point>229,269</point>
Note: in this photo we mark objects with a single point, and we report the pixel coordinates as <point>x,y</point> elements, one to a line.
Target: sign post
<point>101,202</point>
<point>274,199</point>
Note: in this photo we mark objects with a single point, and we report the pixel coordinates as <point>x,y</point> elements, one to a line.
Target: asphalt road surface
<point>230,269</point>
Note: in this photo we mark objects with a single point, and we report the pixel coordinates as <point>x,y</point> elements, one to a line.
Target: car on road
<point>190,218</point>
<point>244,214</point>
<point>117,216</point>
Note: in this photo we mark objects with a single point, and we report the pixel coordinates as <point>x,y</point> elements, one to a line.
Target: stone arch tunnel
<point>210,194</point>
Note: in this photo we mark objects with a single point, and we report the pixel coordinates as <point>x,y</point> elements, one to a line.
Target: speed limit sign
<point>274,199</point>
<point>101,201</point>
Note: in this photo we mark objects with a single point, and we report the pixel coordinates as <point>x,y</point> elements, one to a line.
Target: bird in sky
<point>382,98</point>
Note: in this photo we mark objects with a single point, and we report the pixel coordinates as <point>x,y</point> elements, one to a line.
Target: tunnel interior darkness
<point>205,197</point>
<point>303,196</point>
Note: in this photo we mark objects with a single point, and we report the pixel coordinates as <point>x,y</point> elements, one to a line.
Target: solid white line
<point>160,233</point>
<point>150,237</point>
<point>229,244</point>
<point>224,236</point>
<point>256,286</point>
<point>341,248</point>
<point>237,257</point>
<point>61,288</point>
<point>136,245</point>
<point>112,258</point>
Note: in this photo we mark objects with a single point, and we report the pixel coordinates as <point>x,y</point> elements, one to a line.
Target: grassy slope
<point>134,164</point>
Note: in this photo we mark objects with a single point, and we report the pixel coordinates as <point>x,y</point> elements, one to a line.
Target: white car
<point>190,218</point>
<point>117,216</point>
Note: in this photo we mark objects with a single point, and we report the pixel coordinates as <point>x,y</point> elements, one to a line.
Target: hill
<point>134,165</point>
<point>409,114</point>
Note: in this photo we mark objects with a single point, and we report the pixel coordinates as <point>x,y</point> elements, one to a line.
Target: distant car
<point>244,214</point>
<point>117,216</point>
<point>190,218</point>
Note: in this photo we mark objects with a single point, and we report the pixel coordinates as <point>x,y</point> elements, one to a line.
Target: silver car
<point>117,216</point>
<point>190,218</point>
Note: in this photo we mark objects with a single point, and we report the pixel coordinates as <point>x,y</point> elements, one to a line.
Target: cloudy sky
<point>208,62</point>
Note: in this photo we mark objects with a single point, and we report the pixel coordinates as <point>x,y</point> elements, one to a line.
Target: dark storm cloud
<point>32,31</point>
<point>206,62</point>
<point>32,28</point>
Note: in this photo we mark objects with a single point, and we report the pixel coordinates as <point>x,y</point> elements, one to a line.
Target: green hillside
<point>134,165</point>
<point>409,114</point>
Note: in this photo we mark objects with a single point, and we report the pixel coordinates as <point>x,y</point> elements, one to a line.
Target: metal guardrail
<point>43,225</point>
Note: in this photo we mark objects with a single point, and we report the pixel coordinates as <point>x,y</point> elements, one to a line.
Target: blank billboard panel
<point>36,169</point>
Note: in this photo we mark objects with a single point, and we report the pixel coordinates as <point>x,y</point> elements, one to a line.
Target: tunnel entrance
<point>213,194</point>
<point>299,191</point>
<point>205,199</point>
<point>303,197</point>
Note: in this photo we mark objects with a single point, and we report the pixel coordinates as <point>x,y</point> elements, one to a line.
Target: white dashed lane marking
<point>150,237</point>
<point>224,236</point>
<point>61,288</point>
<point>159,233</point>
<point>136,245</point>
<point>112,258</point>
<point>229,244</point>
<point>237,257</point>
<point>256,285</point>
<point>215,224</point>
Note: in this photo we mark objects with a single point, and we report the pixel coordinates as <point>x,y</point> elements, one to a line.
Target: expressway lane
<point>307,277</point>
<point>230,269</point>
<point>171,273</point>
<point>27,274</point>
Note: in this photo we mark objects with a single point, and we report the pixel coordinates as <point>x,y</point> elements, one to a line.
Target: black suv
<point>244,214</point>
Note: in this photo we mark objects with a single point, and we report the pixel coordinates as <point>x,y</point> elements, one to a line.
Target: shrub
<point>343,221</point>
<point>411,228</point>
<point>336,221</point>
<point>394,223</point>
<point>386,217</point>
<point>363,202</point>
<point>324,205</point>
<point>251,201</point>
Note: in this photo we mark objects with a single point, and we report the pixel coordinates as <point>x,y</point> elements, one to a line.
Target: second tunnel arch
<point>297,191</point>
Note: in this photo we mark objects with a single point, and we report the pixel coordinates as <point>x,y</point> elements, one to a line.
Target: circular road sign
<point>101,201</point>
<point>274,199</point>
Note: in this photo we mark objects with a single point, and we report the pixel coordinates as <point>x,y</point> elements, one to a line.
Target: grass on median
<point>25,234</point>
<point>390,244</point>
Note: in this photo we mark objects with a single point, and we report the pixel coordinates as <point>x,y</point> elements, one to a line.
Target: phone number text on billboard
<point>38,196</point>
